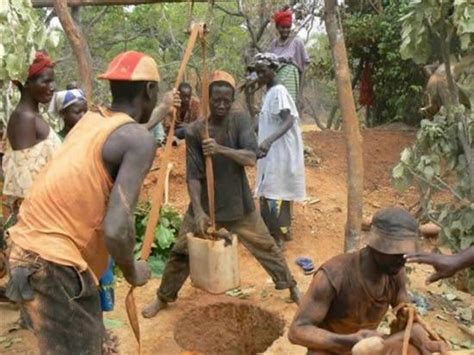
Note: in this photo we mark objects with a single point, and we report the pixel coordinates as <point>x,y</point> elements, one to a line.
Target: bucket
<point>214,267</point>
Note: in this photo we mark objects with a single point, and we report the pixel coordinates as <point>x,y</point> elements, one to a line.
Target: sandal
<point>306,264</point>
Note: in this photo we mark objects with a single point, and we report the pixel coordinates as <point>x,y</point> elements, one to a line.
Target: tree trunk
<point>354,82</point>
<point>351,126</point>
<point>79,46</point>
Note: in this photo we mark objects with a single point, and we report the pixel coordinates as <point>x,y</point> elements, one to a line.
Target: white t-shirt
<point>280,175</point>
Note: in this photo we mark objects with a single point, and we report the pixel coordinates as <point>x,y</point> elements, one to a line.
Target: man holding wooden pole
<point>232,145</point>
<point>80,209</point>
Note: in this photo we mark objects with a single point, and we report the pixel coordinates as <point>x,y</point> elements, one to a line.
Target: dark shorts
<point>65,311</point>
<point>277,216</point>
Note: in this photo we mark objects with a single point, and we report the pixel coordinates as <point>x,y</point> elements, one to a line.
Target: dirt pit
<point>228,328</point>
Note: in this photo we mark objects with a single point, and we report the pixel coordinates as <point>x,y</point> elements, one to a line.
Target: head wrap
<point>40,64</point>
<point>132,66</point>
<point>220,75</point>
<point>268,59</point>
<point>64,99</point>
<point>283,18</point>
<point>393,231</point>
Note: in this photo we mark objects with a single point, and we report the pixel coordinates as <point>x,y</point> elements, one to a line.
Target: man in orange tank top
<point>351,293</point>
<point>65,233</point>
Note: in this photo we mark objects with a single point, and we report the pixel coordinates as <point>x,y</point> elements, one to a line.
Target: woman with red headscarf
<point>30,140</point>
<point>291,53</point>
<point>30,143</point>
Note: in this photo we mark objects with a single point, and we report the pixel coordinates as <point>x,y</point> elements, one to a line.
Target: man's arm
<point>247,143</point>
<point>287,122</point>
<point>163,110</point>
<point>419,336</point>
<point>201,219</point>
<point>313,309</point>
<point>240,156</point>
<point>119,228</point>
<point>195,175</point>
<point>444,265</point>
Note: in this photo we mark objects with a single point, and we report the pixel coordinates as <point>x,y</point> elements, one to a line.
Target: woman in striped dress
<point>291,53</point>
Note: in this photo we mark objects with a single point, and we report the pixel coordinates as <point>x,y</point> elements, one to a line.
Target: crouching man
<point>351,293</point>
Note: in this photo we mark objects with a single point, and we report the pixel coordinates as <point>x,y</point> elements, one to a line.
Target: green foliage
<point>427,21</point>
<point>165,235</point>
<point>439,160</point>
<point>437,165</point>
<point>22,33</point>
<point>375,38</point>
<point>160,31</point>
<point>321,60</point>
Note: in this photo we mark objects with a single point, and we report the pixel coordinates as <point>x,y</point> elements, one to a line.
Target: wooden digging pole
<point>355,172</point>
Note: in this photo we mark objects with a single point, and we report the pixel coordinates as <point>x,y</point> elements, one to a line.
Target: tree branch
<point>79,45</point>
<point>445,186</point>
<point>96,19</point>
<point>228,12</point>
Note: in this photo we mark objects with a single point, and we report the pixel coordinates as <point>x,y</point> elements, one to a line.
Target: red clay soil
<point>233,328</point>
<point>318,230</point>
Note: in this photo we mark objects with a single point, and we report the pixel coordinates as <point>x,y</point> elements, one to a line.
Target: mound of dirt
<point>228,328</point>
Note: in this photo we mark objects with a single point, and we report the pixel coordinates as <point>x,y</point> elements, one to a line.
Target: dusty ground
<point>318,232</point>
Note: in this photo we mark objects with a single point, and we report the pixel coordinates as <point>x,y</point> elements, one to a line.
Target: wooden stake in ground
<point>79,45</point>
<point>205,106</point>
<point>355,177</point>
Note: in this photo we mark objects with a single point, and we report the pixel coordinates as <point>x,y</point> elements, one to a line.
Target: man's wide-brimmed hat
<point>393,231</point>
<point>132,66</point>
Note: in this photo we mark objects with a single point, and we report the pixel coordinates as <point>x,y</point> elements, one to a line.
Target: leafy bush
<point>165,235</point>
<point>436,164</point>
<point>442,158</point>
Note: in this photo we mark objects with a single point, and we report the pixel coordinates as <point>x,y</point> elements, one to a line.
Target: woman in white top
<point>280,168</point>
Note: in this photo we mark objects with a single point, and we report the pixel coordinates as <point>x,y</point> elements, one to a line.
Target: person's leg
<point>277,217</point>
<point>269,218</point>
<point>176,271</point>
<point>65,313</point>
<point>254,235</point>
<point>284,219</point>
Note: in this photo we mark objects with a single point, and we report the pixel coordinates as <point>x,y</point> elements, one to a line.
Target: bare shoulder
<point>131,138</point>
<point>21,123</point>
<point>134,136</point>
<point>22,117</point>
<point>321,287</point>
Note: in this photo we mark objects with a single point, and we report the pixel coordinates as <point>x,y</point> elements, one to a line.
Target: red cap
<point>132,66</point>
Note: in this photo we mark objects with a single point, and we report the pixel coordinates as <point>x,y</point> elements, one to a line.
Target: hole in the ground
<point>228,328</point>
